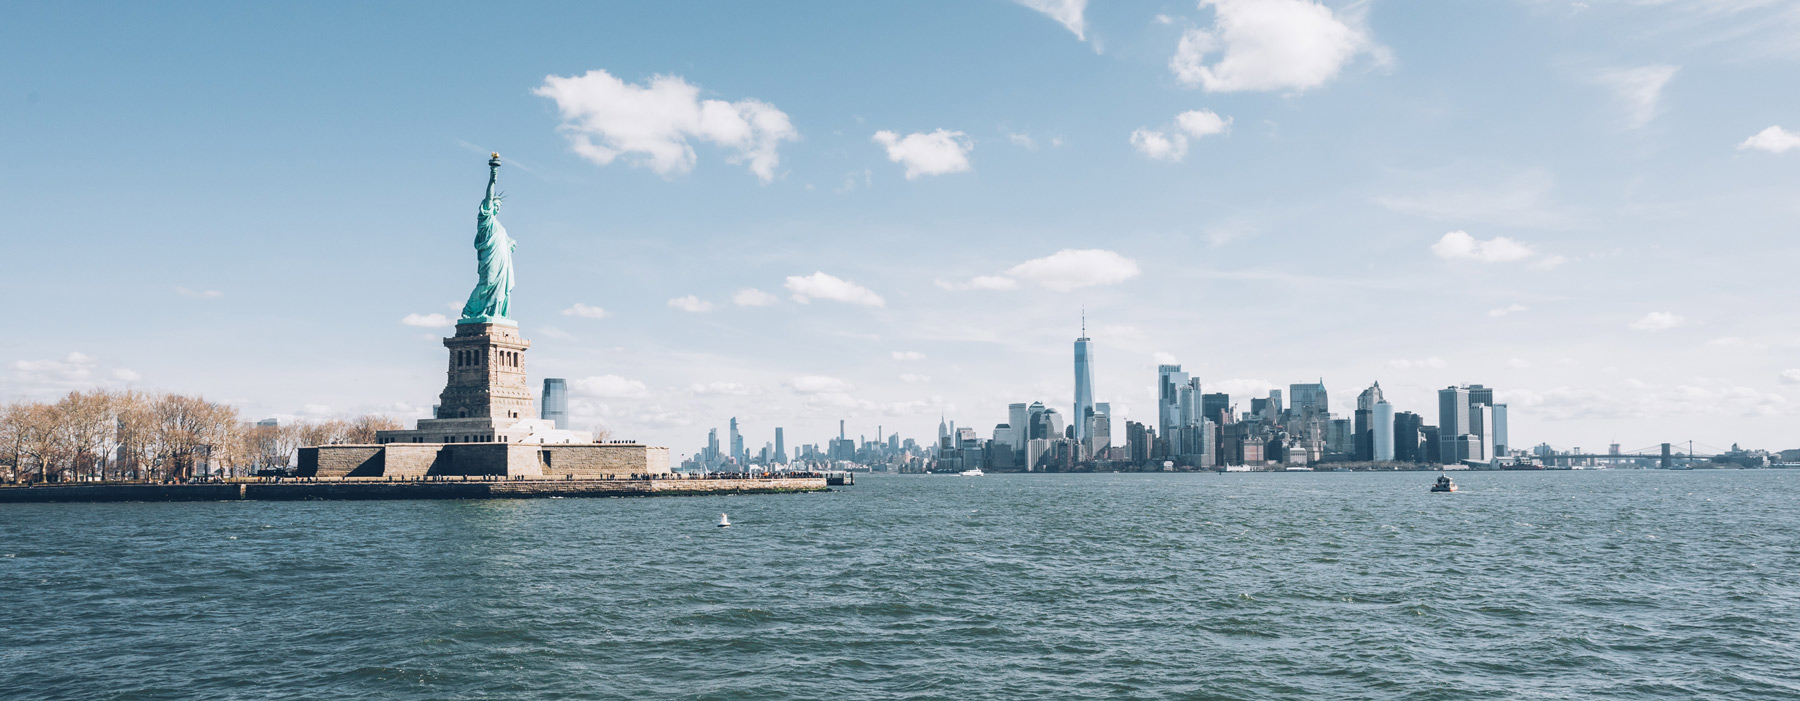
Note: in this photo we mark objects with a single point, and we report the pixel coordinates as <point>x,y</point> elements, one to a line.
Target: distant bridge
<point>1661,453</point>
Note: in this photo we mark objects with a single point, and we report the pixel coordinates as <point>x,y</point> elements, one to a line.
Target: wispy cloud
<point>1459,245</point>
<point>604,117</point>
<point>1069,13</point>
<point>819,285</point>
<point>585,311</point>
<point>752,297</point>
<point>1658,321</point>
<point>1639,89</point>
<point>691,303</point>
<point>936,153</point>
<point>429,321</point>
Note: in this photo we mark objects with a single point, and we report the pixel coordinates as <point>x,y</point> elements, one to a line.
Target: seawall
<point>370,489</point>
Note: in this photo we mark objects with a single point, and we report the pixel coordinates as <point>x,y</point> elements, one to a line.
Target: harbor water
<point>1579,585</point>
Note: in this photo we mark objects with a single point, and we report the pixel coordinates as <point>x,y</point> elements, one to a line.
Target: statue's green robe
<point>491,299</point>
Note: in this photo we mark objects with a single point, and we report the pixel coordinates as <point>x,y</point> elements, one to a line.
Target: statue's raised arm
<point>491,300</point>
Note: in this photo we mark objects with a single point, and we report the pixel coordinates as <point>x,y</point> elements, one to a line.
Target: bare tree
<point>363,428</point>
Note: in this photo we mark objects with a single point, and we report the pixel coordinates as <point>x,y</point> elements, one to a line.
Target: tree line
<point>102,434</point>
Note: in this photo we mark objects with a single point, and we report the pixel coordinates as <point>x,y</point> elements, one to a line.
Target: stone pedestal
<point>486,397</point>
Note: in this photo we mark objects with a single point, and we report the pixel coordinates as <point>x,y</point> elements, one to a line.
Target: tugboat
<point>1444,484</point>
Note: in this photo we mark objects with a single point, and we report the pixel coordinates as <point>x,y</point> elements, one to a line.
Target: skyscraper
<point>1084,382</point>
<point>1365,410</point>
<point>780,447</point>
<point>1453,424</point>
<point>556,402</point>
<point>1382,425</point>
<point>1481,432</point>
<point>1309,398</point>
<point>737,443</point>
<point>1216,407</point>
<point>1020,423</point>
<point>1407,437</point>
<point>1501,446</point>
<point>1169,382</point>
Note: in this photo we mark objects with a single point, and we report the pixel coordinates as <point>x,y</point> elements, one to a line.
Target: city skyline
<point>1589,210</point>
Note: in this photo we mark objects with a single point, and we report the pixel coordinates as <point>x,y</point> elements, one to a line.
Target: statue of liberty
<point>492,297</point>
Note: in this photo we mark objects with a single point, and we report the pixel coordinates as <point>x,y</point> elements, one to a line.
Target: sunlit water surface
<point>1253,586</point>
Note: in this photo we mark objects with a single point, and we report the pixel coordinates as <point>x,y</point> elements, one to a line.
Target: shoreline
<point>366,490</point>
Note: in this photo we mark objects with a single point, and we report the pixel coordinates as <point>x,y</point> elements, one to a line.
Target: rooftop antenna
<point>1084,321</point>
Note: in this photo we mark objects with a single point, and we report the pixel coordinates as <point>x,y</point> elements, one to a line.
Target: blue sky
<point>1590,206</point>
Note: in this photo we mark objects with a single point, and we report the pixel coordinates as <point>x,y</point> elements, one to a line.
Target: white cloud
<point>604,117</point>
<point>908,355</point>
<point>1163,358</point>
<point>912,379</point>
<point>821,286</point>
<point>691,303</point>
<point>1069,269</point>
<point>429,321</point>
<point>1547,262</point>
<point>752,297</point>
<point>126,375</point>
<point>1791,376</point>
<point>818,384</point>
<point>1640,89</point>
<point>1508,309</point>
<point>1518,363</point>
<point>1159,145</point>
<point>1023,141</point>
<point>981,282</point>
<point>1459,245</point>
<point>202,294</point>
<point>1199,123</point>
<point>722,388</point>
<point>1773,139</point>
<point>585,311</point>
<point>1270,45</point>
<point>1432,363</point>
<point>936,153</point>
<point>76,367</point>
<point>1658,321</point>
<point>1171,143</point>
<point>609,387</point>
<point>1068,12</point>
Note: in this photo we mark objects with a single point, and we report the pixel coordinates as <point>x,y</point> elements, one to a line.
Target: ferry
<point>972,473</point>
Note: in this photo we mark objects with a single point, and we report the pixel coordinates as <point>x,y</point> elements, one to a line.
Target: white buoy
<point>724,522</point>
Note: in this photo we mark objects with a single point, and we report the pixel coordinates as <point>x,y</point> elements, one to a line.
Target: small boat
<point>1444,484</point>
<point>724,522</point>
<point>972,473</point>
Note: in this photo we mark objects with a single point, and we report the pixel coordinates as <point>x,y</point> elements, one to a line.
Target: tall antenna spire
<point>1084,321</point>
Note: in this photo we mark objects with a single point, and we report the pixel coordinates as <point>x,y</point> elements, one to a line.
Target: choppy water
<point>1251,586</point>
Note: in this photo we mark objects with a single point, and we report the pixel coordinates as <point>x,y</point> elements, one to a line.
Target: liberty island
<point>485,439</point>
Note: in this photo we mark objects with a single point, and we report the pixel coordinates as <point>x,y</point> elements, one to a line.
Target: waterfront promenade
<point>430,488</point>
